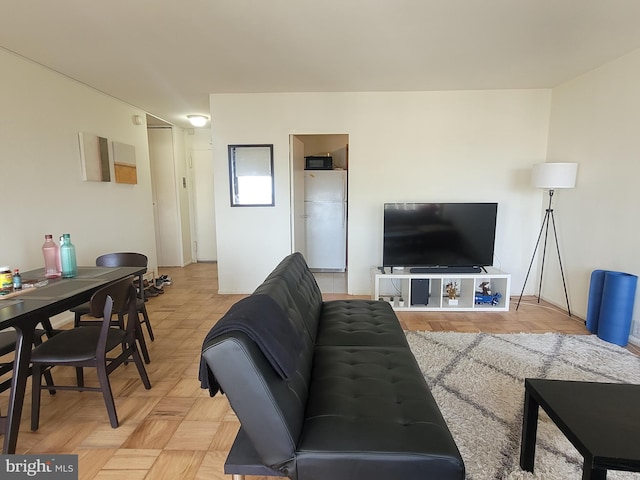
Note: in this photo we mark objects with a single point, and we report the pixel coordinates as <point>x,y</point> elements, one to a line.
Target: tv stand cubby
<point>424,292</point>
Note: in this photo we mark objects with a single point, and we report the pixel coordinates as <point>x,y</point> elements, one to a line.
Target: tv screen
<point>439,234</point>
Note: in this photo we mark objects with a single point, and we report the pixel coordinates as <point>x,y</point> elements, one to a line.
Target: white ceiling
<point>166,56</point>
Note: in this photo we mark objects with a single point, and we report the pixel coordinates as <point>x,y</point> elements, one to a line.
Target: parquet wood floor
<point>175,430</point>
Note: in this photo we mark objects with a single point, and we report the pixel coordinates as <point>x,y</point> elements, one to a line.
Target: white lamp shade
<point>198,120</point>
<point>554,175</point>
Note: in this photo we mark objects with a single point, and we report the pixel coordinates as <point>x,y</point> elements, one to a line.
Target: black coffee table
<point>602,420</point>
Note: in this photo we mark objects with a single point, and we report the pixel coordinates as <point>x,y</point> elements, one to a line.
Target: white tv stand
<point>403,285</point>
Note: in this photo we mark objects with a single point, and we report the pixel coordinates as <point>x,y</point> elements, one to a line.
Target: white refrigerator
<point>325,209</point>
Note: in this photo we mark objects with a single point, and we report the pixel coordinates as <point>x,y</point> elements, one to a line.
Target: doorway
<point>203,199</point>
<point>170,193</point>
<point>165,209</point>
<point>319,208</point>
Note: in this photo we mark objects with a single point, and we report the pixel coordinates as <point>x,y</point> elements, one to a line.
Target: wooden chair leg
<point>145,315</point>
<point>142,342</point>
<point>121,325</point>
<point>49,381</point>
<point>46,323</point>
<point>36,376</point>
<point>76,319</point>
<point>141,370</point>
<point>105,386</point>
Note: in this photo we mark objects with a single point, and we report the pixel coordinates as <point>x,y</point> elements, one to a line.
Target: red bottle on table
<point>51,254</point>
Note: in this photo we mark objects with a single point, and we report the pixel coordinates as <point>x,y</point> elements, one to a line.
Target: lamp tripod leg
<point>564,284</point>
<point>542,227</point>
<point>544,251</point>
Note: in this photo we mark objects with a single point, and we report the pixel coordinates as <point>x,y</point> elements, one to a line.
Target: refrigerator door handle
<point>344,187</point>
<point>344,215</point>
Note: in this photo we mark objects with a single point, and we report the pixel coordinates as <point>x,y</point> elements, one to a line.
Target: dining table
<point>24,310</point>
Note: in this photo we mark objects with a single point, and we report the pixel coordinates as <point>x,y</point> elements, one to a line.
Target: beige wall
<point>404,146</point>
<point>41,176</point>
<point>594,122</point>
<point>409,146</point>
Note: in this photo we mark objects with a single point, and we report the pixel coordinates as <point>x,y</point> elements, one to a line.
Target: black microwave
<point>318,163</point>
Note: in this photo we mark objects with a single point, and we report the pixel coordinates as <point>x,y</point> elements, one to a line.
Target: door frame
<point>338,146</point>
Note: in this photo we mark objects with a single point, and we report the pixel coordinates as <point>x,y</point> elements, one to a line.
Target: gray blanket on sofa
<point>274,334</point>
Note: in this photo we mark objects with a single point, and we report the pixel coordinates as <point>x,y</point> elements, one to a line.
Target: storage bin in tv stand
<point>400,284</point>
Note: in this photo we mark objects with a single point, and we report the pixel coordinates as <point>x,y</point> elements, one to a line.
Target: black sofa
<point>324,390</point>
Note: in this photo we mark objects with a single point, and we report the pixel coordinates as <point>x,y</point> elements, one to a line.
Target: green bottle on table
<point>17,280</point>
<point>68,257</point>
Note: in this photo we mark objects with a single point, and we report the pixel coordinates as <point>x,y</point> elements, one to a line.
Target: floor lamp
<point>550,176</point>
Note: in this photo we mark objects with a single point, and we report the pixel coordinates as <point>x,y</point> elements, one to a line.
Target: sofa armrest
<point>270,409</point>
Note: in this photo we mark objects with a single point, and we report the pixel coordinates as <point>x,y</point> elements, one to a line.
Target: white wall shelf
<point>411,292</point>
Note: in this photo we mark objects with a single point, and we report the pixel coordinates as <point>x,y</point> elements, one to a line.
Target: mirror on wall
<point>251,175</point>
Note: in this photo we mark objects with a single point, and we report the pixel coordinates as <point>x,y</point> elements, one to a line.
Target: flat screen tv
<point>457,235</point>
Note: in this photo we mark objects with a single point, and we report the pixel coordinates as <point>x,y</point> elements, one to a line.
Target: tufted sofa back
<point>248,379</point>
<point>294,288</point>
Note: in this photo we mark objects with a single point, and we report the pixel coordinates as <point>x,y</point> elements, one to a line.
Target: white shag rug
<point>478,382</point>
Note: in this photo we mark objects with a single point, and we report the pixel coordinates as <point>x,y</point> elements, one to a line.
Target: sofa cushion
<point>371,415</point>
<point>359,322</point>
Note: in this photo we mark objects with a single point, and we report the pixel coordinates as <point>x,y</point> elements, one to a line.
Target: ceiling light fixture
<point>198,120</point>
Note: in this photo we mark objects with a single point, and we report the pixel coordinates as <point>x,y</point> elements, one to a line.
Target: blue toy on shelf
<point>494,299</point>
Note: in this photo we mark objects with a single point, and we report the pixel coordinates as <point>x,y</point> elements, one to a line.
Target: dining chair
<point>89,346</point>
<point>122,259</point>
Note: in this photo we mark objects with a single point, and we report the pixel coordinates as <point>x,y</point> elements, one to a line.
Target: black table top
<point>600,419</point>
<point>59,294</point>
